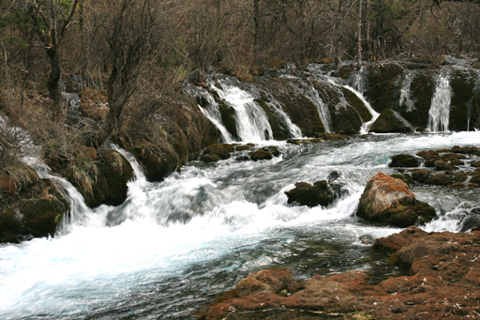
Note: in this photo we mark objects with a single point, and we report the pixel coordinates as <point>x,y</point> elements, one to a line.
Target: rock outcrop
<point>110,187</point>
<point>389,200</point>
<point>443,284</point>
<point>391,121</point>
<point>35,211</point>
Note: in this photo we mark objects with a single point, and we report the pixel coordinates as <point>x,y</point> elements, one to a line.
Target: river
<point>174,245</point>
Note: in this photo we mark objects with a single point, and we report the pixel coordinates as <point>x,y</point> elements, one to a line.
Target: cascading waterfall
<point>405,93</point>
<point>80,213</point>
<point>439,113</point>
<point>211,111</point>
<point>312,94</point>
<point>366,125</point>
<point>251,120</point>
<point>293,129</point>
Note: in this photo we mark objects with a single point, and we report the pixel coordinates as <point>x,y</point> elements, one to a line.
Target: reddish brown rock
<point>444,284</point>
<point>387,199</point>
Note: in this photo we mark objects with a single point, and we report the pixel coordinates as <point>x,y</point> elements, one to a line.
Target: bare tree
<point>127,28</point>
<point>51,19</point>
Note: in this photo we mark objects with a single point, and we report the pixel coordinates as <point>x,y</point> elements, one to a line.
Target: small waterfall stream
<point>438,116</point>
<point>251,120</point>
<point>405,93</point>
<point>312,94</point>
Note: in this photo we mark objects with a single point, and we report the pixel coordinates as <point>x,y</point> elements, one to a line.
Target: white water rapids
<point>172,246</point>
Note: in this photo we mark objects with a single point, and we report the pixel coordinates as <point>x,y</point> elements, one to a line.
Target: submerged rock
<point>389,200</point>
<point>444,276</point>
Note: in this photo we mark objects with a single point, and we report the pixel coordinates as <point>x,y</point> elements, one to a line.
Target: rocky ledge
<point>444,283</point>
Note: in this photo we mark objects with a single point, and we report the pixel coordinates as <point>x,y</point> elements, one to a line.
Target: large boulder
<point>391,121</point>
<point>320,193</point>
<point>300,109</point>
<point>389,200</point>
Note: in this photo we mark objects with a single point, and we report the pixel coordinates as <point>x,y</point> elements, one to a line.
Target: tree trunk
<point>256,24</point>
<point>360,33</point>
<point>53,84</point>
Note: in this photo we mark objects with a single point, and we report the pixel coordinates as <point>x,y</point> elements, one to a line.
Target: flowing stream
<point>173,246</point>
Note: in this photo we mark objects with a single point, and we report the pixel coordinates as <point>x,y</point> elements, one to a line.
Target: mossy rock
<point>420,175</point>
<point>441,165</point>
<point>217,152</point>
<point>475,112</point>
<point>279,132</point>
<point>383,86</point>
<point>404,160</point>
<point>440,179</point>
<point>327,136</point>
<point>157,161</point>
<point>36,212</point>
<point>261,154</point>
<point>407,214</point>
<point>41,217</point>
<point>320,193</point>
<point>345,119</point>
<point>298,107</point>
<point>114,172</point>
<point>390,121</point>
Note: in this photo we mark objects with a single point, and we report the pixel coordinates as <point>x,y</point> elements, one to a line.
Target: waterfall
<point>439,113</point>
<point>405,94</point>
<point>366,125</point>
<point>211,111</point>
<point>312,94</point>
<point>251,120</point>
<point>294,131</point>
<point>80,213</point>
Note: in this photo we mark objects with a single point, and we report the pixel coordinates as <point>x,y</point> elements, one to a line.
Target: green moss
<point>360,315</point>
